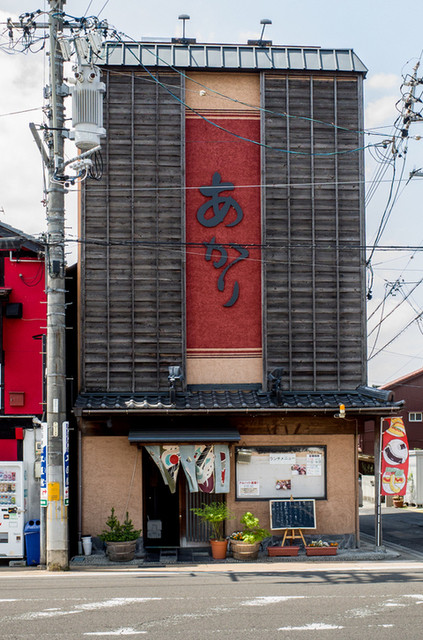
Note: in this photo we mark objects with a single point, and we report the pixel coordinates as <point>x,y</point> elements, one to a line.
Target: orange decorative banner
<point>394,465</point>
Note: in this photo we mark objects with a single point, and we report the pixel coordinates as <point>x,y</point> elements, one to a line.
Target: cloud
<point>383,81</point>
<point>381,112</point>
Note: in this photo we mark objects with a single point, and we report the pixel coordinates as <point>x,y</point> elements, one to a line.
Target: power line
<point>416,318</point>
<point>14,113</point>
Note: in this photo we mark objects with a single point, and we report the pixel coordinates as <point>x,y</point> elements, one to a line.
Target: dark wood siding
<point>314,285</point>
<point>132,278</point>
<point>132,258</point>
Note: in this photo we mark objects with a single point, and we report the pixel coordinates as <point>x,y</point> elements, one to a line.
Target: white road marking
<point>45,614</point>
<point>114,602</point>
<point>126,631</point>
<point>262,600</point>
<point>89,606</point>
<point>8,600</point>
<point>315,626</point>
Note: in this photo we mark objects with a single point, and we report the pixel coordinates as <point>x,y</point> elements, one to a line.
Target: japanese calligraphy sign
<point>394,464</point>
<point>223,255</point>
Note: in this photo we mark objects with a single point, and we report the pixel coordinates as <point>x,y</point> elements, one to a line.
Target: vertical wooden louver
<point>314,223</point>
<point>132,258</point>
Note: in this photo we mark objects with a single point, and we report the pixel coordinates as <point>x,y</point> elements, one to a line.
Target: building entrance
<point>168,519</point>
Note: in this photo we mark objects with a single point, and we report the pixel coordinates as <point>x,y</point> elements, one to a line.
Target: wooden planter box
<point>321,551</point>
<point>244,551</point>
<point>283,551</point>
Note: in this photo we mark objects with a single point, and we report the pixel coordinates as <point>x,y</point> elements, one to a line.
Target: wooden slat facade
<point>314,280</point>
<point>132,282</point>
<point>132,295</point>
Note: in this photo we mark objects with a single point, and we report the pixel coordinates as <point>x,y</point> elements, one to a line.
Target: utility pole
<point>57,511</point>
<point>87,132</point>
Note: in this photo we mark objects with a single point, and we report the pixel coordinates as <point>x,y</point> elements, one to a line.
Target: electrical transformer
<point>87,107</point>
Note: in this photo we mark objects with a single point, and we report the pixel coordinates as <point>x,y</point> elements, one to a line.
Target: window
<point>415,417</point>
<point>263,473</point>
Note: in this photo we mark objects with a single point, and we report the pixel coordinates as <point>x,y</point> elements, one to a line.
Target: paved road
<point>375,600</point>
<point>399,526</point>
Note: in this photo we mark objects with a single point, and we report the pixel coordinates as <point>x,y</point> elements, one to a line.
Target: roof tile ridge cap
<point>373,392</point>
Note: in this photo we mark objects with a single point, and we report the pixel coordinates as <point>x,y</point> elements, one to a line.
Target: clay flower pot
<point>291,550</point>
<point>218,548</point>
<point>398,502</point>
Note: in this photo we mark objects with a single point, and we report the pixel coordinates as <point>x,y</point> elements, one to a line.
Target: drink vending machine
<point>12,509</point>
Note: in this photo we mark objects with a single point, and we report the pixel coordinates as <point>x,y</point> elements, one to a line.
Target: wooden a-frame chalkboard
<point>292,514</point>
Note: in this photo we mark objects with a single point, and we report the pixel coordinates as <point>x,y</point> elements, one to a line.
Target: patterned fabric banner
<point>394,464</point>
<point>206,466</point>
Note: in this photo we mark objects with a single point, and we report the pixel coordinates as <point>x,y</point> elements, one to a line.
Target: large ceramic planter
<point>290,550</point>
<point>244,550</point>
<point>218,548</point>
<point>321,551</point>
<point>121,551</point>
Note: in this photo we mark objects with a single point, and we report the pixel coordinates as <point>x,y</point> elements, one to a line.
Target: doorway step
<point>169,555</point>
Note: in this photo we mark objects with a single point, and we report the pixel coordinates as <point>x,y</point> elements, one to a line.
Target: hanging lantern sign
<point>394,463</point>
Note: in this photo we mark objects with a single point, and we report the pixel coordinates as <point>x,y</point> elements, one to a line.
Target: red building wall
<point>22,353</point>
<point>410,389</point>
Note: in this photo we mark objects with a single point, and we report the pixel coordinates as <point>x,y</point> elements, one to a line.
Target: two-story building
<point>221,288</point>
<point>22,354</point>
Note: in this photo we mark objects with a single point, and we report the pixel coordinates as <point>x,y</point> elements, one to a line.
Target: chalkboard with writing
<point>292,514</point>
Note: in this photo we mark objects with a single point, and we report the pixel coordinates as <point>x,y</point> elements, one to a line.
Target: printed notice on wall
<point>314,464</point>
<point>282,458</point>
<point>248,488</point>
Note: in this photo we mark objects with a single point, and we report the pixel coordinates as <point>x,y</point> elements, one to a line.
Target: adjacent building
<point>221,289</point>
<point>409,389</point>
<point>22,356</point>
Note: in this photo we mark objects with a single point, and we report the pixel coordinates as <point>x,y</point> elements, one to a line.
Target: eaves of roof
<point>231,57</point>
<point>363,400</point>
<point>403,379</point>
<point>29,242</point>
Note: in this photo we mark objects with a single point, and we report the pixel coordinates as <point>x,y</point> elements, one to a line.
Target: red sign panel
<point>394,465</point>
<point>223,235</point>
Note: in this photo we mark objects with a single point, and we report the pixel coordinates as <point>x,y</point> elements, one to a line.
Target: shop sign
<point>394,459</point>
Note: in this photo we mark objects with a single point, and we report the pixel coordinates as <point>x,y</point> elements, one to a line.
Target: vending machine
<point>12,509</point>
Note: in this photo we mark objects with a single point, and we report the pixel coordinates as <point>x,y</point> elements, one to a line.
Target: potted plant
<point>245,544</point>
<point>214,514</point>
<point>120,538</point>
<point>321,548</point>
<point>398,501</point>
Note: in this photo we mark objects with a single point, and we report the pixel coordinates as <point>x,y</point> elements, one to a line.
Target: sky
<point>388,40</point>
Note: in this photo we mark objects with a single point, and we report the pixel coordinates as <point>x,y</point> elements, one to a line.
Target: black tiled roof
<point>360,400</point>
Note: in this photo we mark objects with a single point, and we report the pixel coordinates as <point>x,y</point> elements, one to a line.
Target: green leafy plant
<point>119,532</point>
<point>215,514</point>
<point>252,532</point>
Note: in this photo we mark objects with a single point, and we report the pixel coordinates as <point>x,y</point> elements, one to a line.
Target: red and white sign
<point>394,459</point>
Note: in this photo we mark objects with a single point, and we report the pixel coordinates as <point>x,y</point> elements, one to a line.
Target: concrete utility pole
<point>57,516</point>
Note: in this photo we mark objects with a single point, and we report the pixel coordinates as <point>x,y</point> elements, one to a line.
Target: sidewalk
<point>170,557</point>
<point>402,541</point>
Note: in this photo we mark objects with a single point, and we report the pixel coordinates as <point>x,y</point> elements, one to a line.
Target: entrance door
<point>161,507</point>
<point>168,519</point>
